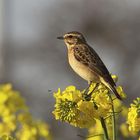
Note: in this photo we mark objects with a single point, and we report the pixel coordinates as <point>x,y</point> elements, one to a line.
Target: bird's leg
<point>96,86</point>
<point>86,90</point>
<point>88,96</point>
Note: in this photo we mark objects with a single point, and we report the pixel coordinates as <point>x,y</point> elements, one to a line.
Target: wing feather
<point>86,55</point>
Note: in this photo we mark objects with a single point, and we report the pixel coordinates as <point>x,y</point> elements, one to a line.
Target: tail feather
<point>113,89</point>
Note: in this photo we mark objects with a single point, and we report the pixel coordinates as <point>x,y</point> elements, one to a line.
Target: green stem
<point>106,137</point>
<point>113,118</point>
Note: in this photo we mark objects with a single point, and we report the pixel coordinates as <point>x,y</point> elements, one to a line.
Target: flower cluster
<point>68,108</point>
<point>6,137</point>
<point>134,116</point>
<point>16,120</point>
<point>82,110</point>
<point>96,131</point>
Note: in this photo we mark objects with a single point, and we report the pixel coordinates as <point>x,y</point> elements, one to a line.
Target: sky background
<point>34,61</point>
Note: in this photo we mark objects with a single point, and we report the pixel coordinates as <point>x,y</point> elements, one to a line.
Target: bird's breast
<point>82,70</point>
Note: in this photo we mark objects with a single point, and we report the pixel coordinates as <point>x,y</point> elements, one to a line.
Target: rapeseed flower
<point>15,118</point>
<point>96,132</point>
<point>6,137</point>
<point>86,109</point>
<point>133,119</point>
<point>67,108</point>
<point>125,131</point>
<point>74,108</point>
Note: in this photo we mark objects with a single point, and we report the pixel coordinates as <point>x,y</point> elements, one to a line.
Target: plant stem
<point>113,118</point>
<point>106,137</point>
<point>90,136</point>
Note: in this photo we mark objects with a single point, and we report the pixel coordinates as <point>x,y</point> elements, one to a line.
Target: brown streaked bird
<point>85,61</point>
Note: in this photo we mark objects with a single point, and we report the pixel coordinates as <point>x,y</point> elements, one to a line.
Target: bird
<point>86,62</point>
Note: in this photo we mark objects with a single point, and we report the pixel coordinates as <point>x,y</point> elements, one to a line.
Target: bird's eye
<point>70,36</point>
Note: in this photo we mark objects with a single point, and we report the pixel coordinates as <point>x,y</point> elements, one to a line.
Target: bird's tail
<point>113,89</point>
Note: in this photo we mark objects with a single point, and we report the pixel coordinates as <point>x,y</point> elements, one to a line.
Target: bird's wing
<point>86,55</point>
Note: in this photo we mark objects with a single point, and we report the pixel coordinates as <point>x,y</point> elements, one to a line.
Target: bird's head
<point>72,38</point>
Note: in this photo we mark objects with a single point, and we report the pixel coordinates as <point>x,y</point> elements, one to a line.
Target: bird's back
<point>87,56</point>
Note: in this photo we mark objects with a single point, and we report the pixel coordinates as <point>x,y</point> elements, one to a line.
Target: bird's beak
<point>60,37</point>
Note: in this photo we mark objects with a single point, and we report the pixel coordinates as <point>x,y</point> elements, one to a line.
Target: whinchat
<point>85,61</point>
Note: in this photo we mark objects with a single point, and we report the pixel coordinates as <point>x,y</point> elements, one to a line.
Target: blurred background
<point>34,61</point>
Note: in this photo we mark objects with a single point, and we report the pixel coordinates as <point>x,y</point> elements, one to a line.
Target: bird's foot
<point>86,96</point>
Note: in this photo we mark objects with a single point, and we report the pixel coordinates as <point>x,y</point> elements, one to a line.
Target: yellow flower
<point>68,108</point>
<point>28,132</point>
<point>15,118</point>
<point>70,93</point>
<point>33,131</point>
<point>121,92</point>
<point>103,103</point>
<point>3,97</point>
<point>43,129</point>
<point>119,88</point>
<point>88,108</point>
<point>126,133</point>
<point>124,111</point>
<point>134,116</point>
<point>87,113</point>
<point>24,117</point>
<point>124,130</point>
<point>124,127</point>
<point>72,107</point>
<point>101,100</point>
<point>6,137</point>
<point>95,132</point>
<point>80,109</point>
<point>115,78</point>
